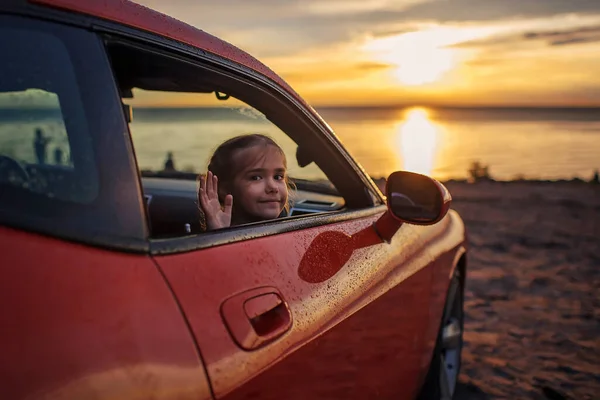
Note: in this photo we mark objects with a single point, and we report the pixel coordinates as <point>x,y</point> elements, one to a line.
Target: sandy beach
<point>532,301</point>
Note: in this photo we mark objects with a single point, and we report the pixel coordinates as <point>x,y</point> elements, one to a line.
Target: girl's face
<point>259,190</point>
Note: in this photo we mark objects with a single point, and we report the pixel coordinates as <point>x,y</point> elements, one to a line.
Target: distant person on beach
<point>170,163</point>
<point>58,156</point>
<point>40,143</point>
<point>252,169</point>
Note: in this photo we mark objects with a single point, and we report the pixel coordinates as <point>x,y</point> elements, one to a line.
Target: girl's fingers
<point>202,202</point>
<point>215,181</point>
<point>203,199</point>
<point>228,204</point>
<point>209,184</point>
<point>201,186</point>
<point>202,183</point>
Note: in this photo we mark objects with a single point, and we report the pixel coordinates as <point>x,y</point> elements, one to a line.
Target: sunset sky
<point>452,52</point>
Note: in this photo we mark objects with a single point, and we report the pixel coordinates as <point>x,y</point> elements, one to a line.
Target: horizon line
<point>398,106</point>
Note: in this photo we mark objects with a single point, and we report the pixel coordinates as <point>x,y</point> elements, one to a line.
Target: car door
<point>318,301</point>
<point>356,333</point>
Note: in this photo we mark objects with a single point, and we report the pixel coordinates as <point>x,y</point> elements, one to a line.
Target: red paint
<point>325,256</point>
<point>372,354</point>
<point>256,317</point>
<point>331,250</point>
<point>360,307</point>
<point>447,251</point>
<point>137,16</point>
<point>362,328</point>
<point>387,226</point>
<point>79,322</point>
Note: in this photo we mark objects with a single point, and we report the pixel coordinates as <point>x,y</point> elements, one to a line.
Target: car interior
<point>173,210</point>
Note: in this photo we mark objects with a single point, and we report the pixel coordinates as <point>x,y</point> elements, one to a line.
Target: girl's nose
<point>271,186</point>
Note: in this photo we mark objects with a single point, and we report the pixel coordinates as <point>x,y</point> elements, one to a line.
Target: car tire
<point>442,377</point>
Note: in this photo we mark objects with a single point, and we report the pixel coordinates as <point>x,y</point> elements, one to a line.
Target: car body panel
<point>332,318</point>
<point>81,322</point>
<point>447,248</point>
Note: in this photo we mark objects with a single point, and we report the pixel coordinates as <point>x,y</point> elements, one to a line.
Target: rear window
<point>66,165</point>
<point>45,146</point>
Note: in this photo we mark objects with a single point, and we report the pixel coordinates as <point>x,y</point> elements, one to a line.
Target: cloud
<point>332,72</point>
<point>575,41</point>
<point>584,34</point>
<point>338,7</point>
<point>269,28</point>
<point>372,66</point>
<point>570,36</point>
<point>486,10</point>
<point>323,45</point>
<point>587,92</point>
<point>264,28</point>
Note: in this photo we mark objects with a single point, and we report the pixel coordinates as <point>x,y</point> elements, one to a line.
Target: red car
<point>110,288</point>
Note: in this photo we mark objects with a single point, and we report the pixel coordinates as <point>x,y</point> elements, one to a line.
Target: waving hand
<point>216,217</point>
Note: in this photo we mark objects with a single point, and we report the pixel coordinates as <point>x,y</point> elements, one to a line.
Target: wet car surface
<point>111,287</point>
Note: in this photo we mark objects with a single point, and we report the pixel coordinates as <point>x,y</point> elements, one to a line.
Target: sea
<point>513,143</point>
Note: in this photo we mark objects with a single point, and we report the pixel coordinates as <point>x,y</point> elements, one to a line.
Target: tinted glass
<point>66,163</point>
<point>45,145</point>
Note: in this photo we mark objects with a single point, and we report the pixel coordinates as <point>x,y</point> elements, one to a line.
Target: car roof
<point>137,16</point>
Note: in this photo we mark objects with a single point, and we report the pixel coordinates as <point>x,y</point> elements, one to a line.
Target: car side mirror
<point>413,199</point>
<point>416,199</point>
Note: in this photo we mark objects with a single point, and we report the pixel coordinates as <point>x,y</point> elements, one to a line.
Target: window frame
<point>310,120</point>
<point>131,34</point>
<point>368,200</point>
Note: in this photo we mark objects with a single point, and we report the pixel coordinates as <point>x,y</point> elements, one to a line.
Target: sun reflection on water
<point>417,140</point>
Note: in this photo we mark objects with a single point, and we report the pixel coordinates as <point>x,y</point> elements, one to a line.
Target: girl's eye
<point>278,177</point>
<point>255,178</point>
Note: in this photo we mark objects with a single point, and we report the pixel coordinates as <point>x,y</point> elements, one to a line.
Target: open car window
<point>180,113</point>
<point>194,132</point>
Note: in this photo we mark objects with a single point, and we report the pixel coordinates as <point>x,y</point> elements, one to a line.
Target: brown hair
<point>221,162</point>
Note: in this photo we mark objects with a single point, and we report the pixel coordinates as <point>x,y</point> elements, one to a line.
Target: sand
<point>532,300</point>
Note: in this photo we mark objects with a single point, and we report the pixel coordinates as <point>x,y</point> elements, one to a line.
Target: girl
<point>251,170</point>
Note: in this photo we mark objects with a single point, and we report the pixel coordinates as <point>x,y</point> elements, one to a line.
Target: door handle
<point>256,317</point>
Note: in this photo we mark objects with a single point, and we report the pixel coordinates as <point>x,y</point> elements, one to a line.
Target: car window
<point>179,113</point>
<point>45,148</point>
<point>195,131</point>
<point>65,153</point>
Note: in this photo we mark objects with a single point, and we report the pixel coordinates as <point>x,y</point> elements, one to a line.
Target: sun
<point>417,58</point>
<point>422,66</point>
